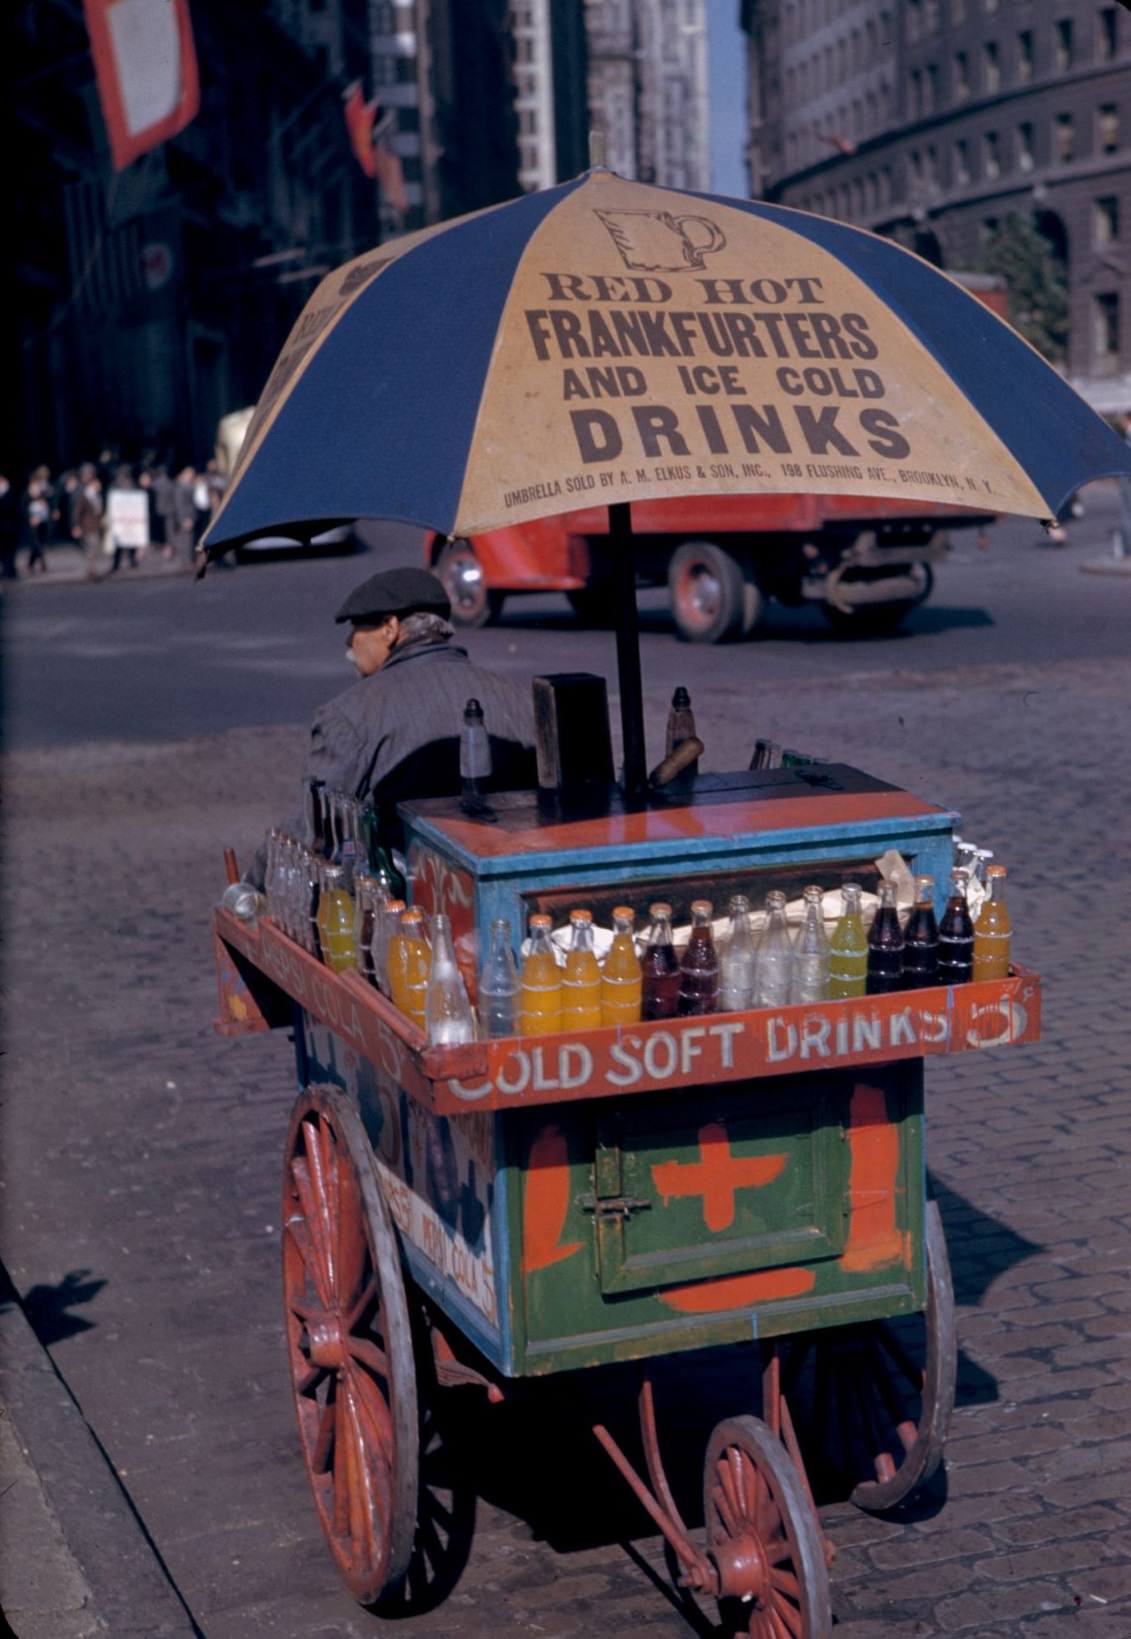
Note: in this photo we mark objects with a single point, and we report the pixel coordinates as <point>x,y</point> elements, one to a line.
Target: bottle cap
<point>995,870</point>
<point>412,915</point>
<point>738,902</point>
<point>701,907</point>
<point>394,907</point>
<point>581,916</point>
<point>924,881</point>
<point>473,711</point>
<point>623,913</point>
<point>681,699</point>
<point>659,909</point>
<point>541,920</point>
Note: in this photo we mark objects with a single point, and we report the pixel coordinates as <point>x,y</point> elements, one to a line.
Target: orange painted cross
<point>716,1175</point>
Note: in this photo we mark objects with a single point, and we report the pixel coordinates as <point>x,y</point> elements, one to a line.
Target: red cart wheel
<point>349,1344</point>
<point>762,1534</point>
<point>880,1398</point>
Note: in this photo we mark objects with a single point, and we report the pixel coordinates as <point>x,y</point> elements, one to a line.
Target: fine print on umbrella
<point>604,342</point>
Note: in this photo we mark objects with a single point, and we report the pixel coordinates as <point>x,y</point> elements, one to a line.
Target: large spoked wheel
<point>763,1536</point>
<point>461,572</point>
<point>880,1396</point>
<point>349,1345</point>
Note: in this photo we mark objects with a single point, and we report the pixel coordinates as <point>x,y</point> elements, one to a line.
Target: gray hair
<point>422,627</point>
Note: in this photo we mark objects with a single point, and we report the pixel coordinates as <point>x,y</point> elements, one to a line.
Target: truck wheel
<point>466,585</point>
<point>708,592</point>
<point>871,619</point>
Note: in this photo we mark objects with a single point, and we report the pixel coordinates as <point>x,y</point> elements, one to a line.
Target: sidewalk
<point>67,564</point>
<point>75,1559</point>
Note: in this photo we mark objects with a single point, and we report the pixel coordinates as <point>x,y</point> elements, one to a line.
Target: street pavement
<point>142,1153</point>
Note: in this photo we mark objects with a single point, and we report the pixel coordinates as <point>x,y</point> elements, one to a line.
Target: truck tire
<point>466,585</point>
<point>708,592</point>
<point>876,619</point>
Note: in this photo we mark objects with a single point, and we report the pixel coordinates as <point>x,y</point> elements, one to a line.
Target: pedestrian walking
<point>35,518</point>
<point>9,529</point>
<point>127,518</point>
<point>87,513</point>
<point>184,514</point>
<point>164,491</point>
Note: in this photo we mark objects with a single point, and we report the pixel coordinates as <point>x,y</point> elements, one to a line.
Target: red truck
<point>866,562</point>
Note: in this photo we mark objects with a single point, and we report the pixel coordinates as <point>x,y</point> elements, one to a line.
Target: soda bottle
<point>681,726</point>
<point>737,960</point>
<point>621,978</point>
<point>956,935</point>
<point>848,949</point>
<point>410,962</point>
<point>364,921</point>
<point>885,946</point>
<point>659,967</point>
<point>498,984</point>
<point>581,982</point>
<point>993,931</point>
<point>921,938</point>
<point>474,758</point>
<point>540,993</point>
<point>699,970</point>
<point>809,977</point>
<point>447,1011</point>
<point>335,921</point>
<point>774,966</point>
<point>387,930</point>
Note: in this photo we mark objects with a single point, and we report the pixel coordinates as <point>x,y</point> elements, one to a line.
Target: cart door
<point>709,1183</point>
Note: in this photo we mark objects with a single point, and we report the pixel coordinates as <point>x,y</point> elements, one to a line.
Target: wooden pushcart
<point>519,1208</point>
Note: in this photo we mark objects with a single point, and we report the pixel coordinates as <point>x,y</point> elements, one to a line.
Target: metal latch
<point>613,1206</point>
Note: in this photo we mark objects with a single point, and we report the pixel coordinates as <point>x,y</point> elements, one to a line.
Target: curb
<point>132,1591</point>
<point>1106,566</point>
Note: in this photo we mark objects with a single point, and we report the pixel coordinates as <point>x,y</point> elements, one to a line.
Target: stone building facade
<point>648,88</point>
<point>931,121</point>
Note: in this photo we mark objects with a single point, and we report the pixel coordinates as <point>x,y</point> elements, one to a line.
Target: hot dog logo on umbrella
<point>658,242</point>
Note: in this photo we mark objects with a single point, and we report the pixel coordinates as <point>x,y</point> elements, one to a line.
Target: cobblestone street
<point>143,1157</point>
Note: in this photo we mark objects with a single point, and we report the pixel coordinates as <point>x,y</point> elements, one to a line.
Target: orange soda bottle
<point>621,979</point>
<point>993,931</point>
<point>581,983</point>
<point>335,921</point>
<point>540,991</point>
<point>410,962</point>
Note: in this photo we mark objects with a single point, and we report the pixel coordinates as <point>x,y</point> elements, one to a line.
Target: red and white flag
<point>145,65</point>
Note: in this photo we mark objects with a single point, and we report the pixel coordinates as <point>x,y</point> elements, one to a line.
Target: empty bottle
<point>773,969</point>
<point>498,985</point>
<point>681,726</point>
<point>448,1018</point>
<point>848,948</point>
<point>335,921</point>
<point>956,935</point>
<point>581,981</point>
<point>621,978</point>
<point>885,946</point>
<point>993,931</point>
<point>921,938</point>
<point>474,758</point>
<point>385,954</point>
<point>809,979</point>
<point>540,992</point>
<point>410,962</point>
<point>737,960</point>
<point>699,969</point>
<point>659,967</point>
<point>364,921</point>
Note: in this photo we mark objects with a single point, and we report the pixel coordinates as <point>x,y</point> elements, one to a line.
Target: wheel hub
<point>325,1343</point>
<point>742,1569</point>
<point>465,581</point>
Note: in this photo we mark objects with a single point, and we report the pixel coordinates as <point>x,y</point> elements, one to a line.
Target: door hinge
<point>613,1206</point>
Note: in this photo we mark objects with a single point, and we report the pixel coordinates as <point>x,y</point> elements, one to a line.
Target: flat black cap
<point>395,592</point>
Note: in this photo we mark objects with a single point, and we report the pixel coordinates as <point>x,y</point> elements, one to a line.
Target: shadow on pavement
<point>798,625</point>
<point>47,1307</point>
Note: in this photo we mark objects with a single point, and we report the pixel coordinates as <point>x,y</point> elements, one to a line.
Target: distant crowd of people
<point>109,510</point>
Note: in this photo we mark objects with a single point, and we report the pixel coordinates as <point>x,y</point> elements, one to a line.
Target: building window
<point>1108,126</point>
<point>991,155</point>
<point>914,21</point>
<point>1105,330</point>
<point>932,84</point>
<point>1064,134</point>
<point>961,161</point>
<point>1062,48</point>
<point>1108,35</point>
<point>961,76</point>
<point>991,67</point>
<point>916,93</point>
<point>1025,157</point>
<point>987,230</point>
<point>1025,55</point>
<point>1105,220</point>
<point>931,16</point>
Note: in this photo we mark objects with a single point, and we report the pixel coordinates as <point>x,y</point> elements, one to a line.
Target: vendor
<point>395,733</point>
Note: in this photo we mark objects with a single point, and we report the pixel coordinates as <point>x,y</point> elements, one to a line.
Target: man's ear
<point>394,625</point>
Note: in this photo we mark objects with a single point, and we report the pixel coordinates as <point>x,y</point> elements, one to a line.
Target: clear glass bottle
<point>581,981</point>
<point>993,931</point>
<point>622,983</point>
<point>921,938</point>
<point>848,948</point>
<point>448,1018</point>
<point>659,967</point>
<point>310,887</point>
<point>498,985</point>
<point>699,969</point>
<point>885,945</point>
<point>774,966</point>
<point>956,934</point>
<point>540,991</point>
<point>364,921</point>
<point>680,727</point>
<point>410,962</point>
<point>809,979</point>
<point>474,758</point>
<point>335,921</point>
<point>388,953</point>
<point>737,960</point>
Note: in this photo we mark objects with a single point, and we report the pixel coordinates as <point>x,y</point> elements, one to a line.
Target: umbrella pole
<point>628,654</point>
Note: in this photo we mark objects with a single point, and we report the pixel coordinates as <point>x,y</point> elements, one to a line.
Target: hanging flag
<point>145,65</point>
<point>390,176</point>
<point>359,116</point>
